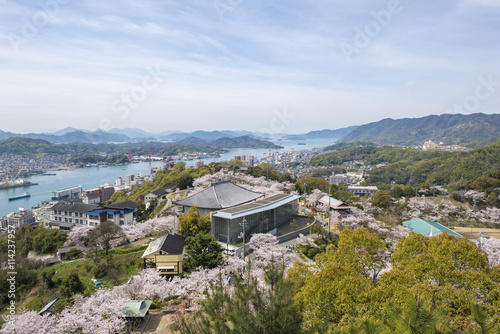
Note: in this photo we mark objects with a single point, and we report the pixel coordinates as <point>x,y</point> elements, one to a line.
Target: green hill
<point>27,146</point>
<point>470,130</point>
<point>412,166</point>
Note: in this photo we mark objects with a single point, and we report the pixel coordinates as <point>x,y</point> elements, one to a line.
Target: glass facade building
<point>261,217</point>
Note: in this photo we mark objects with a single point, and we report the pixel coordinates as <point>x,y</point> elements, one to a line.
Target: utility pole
<point>329,209</point>
<point>244,224</point>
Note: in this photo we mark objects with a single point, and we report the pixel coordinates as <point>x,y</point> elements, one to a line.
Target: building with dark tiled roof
<point>65,215</point>
<point>335,204</point>
<point>220,195</point>
<point>49,308</point>
<point>165,254</point>
<point>154,195</point>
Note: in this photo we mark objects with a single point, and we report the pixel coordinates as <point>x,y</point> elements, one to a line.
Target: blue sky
<point>281,66</point>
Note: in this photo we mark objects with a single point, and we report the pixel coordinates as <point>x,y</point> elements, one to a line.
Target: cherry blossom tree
<point>492,247</point>
<point>79,235</point>
<point>475,196</point>
<point>30,323</point>
<point>102,312</point>
<point>149,228</point>
<point>315,196</point>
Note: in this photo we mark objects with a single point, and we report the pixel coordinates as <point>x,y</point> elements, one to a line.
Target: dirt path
<point>473,232</point>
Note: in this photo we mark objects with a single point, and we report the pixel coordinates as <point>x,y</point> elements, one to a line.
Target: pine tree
<point>247,306</point>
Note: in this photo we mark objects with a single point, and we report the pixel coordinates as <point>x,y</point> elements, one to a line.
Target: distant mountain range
<point>472,130</point>
<point>469,130</point>
<point>222,143</point>
<point>24,145</point>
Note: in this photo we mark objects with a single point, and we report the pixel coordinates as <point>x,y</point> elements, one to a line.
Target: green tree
<point>47,276</point>
<point>452,273</point>
<point>417,315</point>
<point>333,295</point>
<point>179,166</point>
<point>73,253</point>
<point>308,184</point>
<point>47,241</point>
<point>185,180</point>
<point>382,199</point>
<point>202,250</point>
<point>71,286</point>
<point>359,249</point>
<point>249,308</point>
<point>192,223</point>
<point>484,183</point>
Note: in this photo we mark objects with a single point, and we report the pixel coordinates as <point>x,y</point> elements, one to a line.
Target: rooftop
<point>158,192</point>
<point>74,206</point>
<point>267,203</point>
<point>334,203</point>
<point>428,228</point>
<point>137,308</point>
<point>123,205</point>
<point>172,244</point>
<point>66,189</point>
<point>220,195</point>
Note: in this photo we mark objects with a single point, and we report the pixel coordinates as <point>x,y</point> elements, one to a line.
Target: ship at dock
<point>18,184</point>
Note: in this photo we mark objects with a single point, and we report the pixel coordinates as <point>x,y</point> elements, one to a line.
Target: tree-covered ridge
<point>20,145</point>
<point>471,130</point>
<point>412,166</point>
<point>345,145</point>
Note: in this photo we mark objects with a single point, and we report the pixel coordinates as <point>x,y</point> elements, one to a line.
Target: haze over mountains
<point>473,130</point>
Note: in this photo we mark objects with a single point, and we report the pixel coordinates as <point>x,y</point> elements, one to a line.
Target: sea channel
<point>92,177</point>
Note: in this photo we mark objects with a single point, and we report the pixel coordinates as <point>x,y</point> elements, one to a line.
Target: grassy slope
<point>130,264</point>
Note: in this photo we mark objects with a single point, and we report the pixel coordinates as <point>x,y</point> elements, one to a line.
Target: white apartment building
<point>65,215</point>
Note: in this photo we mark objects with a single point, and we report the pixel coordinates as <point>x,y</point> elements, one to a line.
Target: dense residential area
<point>370,238</point>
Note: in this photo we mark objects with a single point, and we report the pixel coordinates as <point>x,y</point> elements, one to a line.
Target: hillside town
<point>250,167</point>
<point>234,216</point>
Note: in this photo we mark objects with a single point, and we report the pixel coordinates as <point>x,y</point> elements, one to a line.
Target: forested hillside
<point>412,166</point>
<point>470,130</point>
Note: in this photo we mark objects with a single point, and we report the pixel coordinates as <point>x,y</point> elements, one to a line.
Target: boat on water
<point>48,174</point>
<point>301,143</point>
<point>26,194</point>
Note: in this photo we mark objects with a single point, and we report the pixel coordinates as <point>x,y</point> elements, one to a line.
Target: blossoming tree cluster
<point>102,312</point>
<point>80,234</point>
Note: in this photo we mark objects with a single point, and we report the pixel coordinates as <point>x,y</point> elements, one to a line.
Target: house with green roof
<point>428,228</point>
<point>137,308</point>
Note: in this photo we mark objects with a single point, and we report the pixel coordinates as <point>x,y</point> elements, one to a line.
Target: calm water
<point>94,176</point>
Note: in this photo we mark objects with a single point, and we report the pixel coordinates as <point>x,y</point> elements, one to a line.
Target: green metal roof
<point>137,308</point>
<point>425,227</point>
